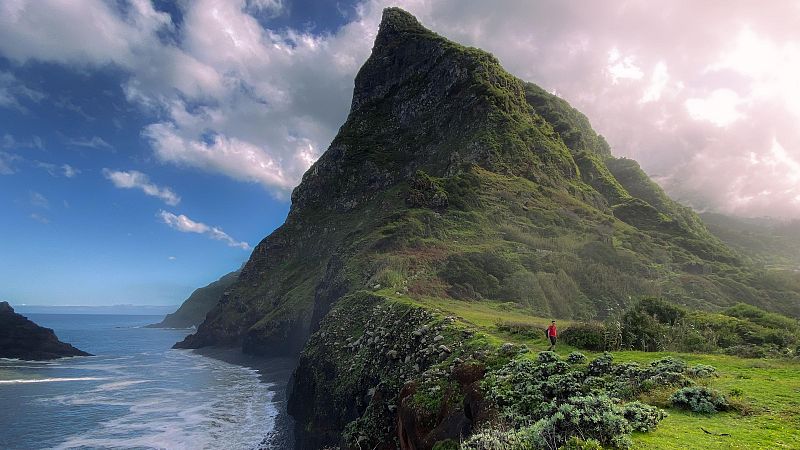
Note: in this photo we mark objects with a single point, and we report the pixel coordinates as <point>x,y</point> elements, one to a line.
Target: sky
<point>147,146</point>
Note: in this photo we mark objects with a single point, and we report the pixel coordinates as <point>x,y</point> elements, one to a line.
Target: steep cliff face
<point>351,386</point>
<point>193,310</point>
<point>453,179</point>
<point>22,339</point>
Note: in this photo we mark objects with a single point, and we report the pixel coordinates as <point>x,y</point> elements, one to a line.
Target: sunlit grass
<point>765,391</point>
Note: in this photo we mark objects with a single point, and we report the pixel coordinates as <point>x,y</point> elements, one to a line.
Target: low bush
<point>576,443</point>
<point>576,358</point>
<point>495,439</point>
<point>702,371</point>
<point>601,365</point>
<point>699,399</point>
<point>594,417</point>
<point>589,336</point>
<point>642,417</point>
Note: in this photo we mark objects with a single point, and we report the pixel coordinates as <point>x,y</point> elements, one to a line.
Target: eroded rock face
<point>375,375</point>
<point>22,339</point>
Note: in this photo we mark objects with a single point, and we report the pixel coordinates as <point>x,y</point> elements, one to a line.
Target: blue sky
<point>147,146</point>
<point>70,235</point>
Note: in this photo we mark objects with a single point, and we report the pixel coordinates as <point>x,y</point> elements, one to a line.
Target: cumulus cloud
<point>186,225</point>
<point>691,90</point>
<point>134,179</point>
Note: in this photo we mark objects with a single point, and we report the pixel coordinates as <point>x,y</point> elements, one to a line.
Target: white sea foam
<point>234,412</point>
<point>117,385</point>
<point>50,380</point>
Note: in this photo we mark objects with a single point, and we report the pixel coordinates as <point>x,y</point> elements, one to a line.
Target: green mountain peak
<point>454,183</point>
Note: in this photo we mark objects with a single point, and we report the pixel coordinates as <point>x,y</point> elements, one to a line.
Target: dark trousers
<point>552,342</point>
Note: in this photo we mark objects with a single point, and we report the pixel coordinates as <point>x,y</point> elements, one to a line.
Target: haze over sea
<point>135,393</point>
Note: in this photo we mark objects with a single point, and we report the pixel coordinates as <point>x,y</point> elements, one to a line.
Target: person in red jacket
<point>552,334</point>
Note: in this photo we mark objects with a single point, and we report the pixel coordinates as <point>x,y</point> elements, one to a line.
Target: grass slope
<point>767,390</point>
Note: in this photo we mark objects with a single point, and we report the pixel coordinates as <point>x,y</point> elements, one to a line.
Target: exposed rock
<point>22,339</point>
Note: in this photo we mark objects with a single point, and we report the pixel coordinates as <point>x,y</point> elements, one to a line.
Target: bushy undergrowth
<point>657,325</point>
<point>643,417</point>
<point>699,399</point>
<point>546,401</point>
<point>576,358</point>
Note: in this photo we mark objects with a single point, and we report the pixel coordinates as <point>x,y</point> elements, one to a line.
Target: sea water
<point>135,393</point>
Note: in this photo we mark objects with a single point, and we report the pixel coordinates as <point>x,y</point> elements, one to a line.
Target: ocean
<point>135,393</point>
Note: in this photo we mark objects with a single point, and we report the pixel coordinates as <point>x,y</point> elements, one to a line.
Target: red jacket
<point>552,331</point>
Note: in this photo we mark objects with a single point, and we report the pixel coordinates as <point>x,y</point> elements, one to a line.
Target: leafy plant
<point>589,336</point>
<point>642,417</point>
<point>576,358</point>
<point>699,399</point>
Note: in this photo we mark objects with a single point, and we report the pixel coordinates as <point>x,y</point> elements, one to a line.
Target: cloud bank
<point>704,95</point>
<point>134,179</point>
<point>187,225</point>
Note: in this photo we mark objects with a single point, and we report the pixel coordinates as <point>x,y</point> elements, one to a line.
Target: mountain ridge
<point>194,309</point>
<point>430,112</point>
<point>453,181</point>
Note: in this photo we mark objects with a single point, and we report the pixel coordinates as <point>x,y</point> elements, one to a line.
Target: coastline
<point>275,373</point>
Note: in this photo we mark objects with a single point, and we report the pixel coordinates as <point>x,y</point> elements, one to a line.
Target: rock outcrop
<point>22,339</point>
<point>193,310</point>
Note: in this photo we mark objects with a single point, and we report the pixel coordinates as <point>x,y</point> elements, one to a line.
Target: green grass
<point>766,392</point>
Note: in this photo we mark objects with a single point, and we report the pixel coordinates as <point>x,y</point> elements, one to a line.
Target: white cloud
<point>658,82</point>
<point>40,218</point>
<point>95,142</point>
<point>69,171</point>
<point>259,104</point>
<point>134,179</point>
<point>187,225</point>
<point>14,93</point>
<point>6,161</point>
<point>719,108</point>
<point>10,142</point>
<point>38,200</point>
<point>621,68</point>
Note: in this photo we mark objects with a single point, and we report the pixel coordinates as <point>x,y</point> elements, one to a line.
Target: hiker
<point>552,334</point>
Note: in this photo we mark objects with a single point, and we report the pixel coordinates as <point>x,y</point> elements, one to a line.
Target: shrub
<point>642,331</point>
<point>662,311</point>
<point>642,417</point>
<point>699,399</point>
<point>494,439</point>
<point>702,371</point>
<point>447,444</point>
<point>576,443</point>
<point>426,192</point>
<point>547,357</point>
<point>588,336</point>
<point>668,365</point>
<point>576,358</point>
<point>593,417</point>
<point>601,365</point>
